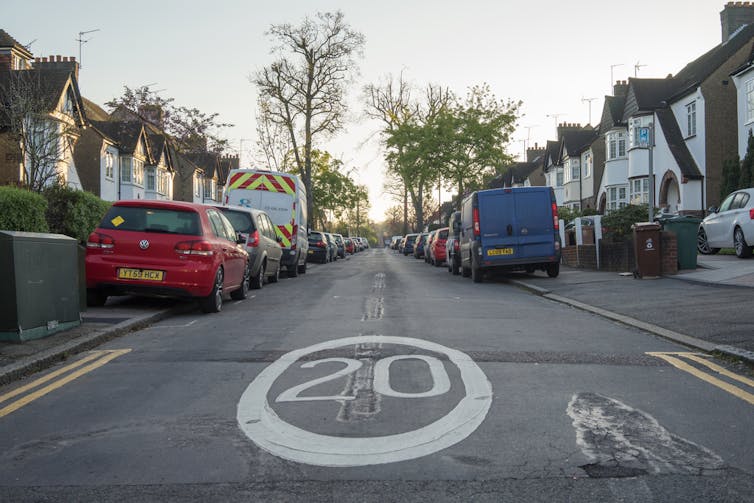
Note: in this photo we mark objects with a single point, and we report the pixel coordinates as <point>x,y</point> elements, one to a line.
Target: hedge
<point>74,213</point>
<point>22,210</point>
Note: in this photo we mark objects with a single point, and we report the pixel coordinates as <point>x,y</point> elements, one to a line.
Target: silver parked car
<point>262,243</point>
<point>729,226</point>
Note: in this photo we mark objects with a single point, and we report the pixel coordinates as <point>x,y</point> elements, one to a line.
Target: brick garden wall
<point>620,256</point>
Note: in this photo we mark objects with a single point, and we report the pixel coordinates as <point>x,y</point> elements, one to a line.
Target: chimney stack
<point>735,15</point>
<point>152,114</point>
<point>620,89</point>
<point>58,63</point>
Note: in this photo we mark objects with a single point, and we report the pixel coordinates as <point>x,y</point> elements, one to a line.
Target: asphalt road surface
<point>380,378</point>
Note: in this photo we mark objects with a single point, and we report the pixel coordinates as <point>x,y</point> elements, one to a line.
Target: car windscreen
<point>315,236</point>
<point>443,235</point>
<point>241,220</point>
<point>146,219</point>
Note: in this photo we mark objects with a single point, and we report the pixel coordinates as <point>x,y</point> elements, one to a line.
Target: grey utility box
<point>39,285</point>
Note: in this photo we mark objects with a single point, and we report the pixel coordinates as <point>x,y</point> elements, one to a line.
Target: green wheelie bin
<point>685,228</point>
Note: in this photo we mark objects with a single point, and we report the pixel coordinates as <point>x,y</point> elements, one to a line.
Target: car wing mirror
<point>712,209</point>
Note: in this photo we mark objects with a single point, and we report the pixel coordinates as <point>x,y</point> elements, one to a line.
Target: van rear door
<point>535,225</point>
<point>515,224</point>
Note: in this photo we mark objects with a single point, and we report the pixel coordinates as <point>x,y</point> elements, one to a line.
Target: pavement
<point>707,309</point>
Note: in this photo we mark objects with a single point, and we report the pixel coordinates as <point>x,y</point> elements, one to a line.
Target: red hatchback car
<point>438,254</point>
<point>166,249</point>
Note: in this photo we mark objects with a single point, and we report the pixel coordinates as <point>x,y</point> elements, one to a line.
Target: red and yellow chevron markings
<point>92,361</point>
<point>700,369</point>
<point>263,181</point>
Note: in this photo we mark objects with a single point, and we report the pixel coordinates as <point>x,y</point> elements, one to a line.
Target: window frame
<point>691,119</point>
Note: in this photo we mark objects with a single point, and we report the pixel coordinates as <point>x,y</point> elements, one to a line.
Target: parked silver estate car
<point>730,226</point>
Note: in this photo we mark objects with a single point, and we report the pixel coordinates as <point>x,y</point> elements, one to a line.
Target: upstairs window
<point>750,101</point>
<point>559,177</point>
<point>616,145</point>
<point>150,179</point>
<point>691,119</point>
<point>587,165</point>
<point>575,169</point>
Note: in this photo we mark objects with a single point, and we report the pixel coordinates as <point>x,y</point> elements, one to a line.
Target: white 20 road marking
<point>261,424</point>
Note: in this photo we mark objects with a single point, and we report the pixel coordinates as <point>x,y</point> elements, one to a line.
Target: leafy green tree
<point>474,136</point>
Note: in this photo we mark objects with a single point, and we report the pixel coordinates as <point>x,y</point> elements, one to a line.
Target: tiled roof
<point>6,41</point>
<point>677,145</point>
<point>208,161</point>
<point>702,67</point>
<point>125,134</point>
<point>576,142</point>
<point>612,113</point>
<point>51,84</point>
<point>94,111</point>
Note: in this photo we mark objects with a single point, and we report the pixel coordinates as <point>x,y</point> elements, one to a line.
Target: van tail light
<point>99,240</point>
<point>475,217</point>
<point>201,248</point>
<point>555,221</point>
<point>751,214</point>
<point>253,239</point>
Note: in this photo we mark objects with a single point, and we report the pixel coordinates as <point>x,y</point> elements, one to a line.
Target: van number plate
<point>144,274</point>
<point>499,251</point>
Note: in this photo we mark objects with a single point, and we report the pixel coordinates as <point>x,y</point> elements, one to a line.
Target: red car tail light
<point>98,240</point>
<point>475,216</point>
<point>253,239</point>
<point>202,248</point>
<point>751,214</point>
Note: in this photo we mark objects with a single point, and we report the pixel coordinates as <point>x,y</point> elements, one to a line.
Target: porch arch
<point>670,192</point>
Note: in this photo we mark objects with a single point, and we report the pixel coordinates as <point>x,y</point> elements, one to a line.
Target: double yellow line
<point>675,359</point>
<point>94,360</point>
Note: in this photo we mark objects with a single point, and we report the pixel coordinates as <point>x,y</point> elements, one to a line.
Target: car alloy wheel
<point>213,303</point>
<point>243,291</point>
<point>702,245</point>
<point>743,250</point>
<point>257,281</point>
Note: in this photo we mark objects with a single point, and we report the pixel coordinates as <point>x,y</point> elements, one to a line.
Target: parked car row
<point>427,245</point>
<point>190,250</point>
<point>325,247</point>
<point>729,226</point>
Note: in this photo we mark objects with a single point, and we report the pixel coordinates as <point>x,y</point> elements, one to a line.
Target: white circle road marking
<point>262,425</point>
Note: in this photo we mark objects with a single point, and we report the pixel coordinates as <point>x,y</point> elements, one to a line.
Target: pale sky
<point>551,54</point>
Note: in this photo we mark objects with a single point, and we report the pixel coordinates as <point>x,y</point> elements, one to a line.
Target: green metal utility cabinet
<point>39,285</point>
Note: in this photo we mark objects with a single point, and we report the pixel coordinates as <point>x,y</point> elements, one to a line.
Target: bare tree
<point>273,140</point>
<point>44,134</point>
<point>306,85</point>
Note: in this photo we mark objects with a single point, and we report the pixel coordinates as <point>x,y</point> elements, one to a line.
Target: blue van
<point>512,229</point>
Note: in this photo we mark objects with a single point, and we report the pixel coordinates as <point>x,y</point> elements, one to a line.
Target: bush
<point>617,223</point>
<point>72,212</point>
<point>22,210</point>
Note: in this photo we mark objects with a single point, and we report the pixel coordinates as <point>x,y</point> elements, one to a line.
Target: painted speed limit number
<point>258,420</point>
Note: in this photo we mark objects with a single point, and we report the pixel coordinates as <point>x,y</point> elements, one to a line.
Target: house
<point>522,174</point>
<point>552,167</point>
<point>97,155</point>
<point>189,179</point>
<point>693,116</point>
<point>42,117</point>
<point>209,162</point>
<point>612,192</point>
<point>743,78</point>
<point>577,158</point>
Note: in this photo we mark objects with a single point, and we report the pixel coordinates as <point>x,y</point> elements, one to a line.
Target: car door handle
<point>509,229</point>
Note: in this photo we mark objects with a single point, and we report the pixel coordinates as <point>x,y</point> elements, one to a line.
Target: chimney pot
<point>58,58</point>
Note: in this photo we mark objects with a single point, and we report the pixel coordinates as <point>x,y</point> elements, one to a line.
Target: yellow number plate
<point>499,251</point>
<point>144,274</point>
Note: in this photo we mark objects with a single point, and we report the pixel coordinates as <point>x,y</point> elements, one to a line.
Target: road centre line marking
<point>672,358</point>
<point>104,358</point>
